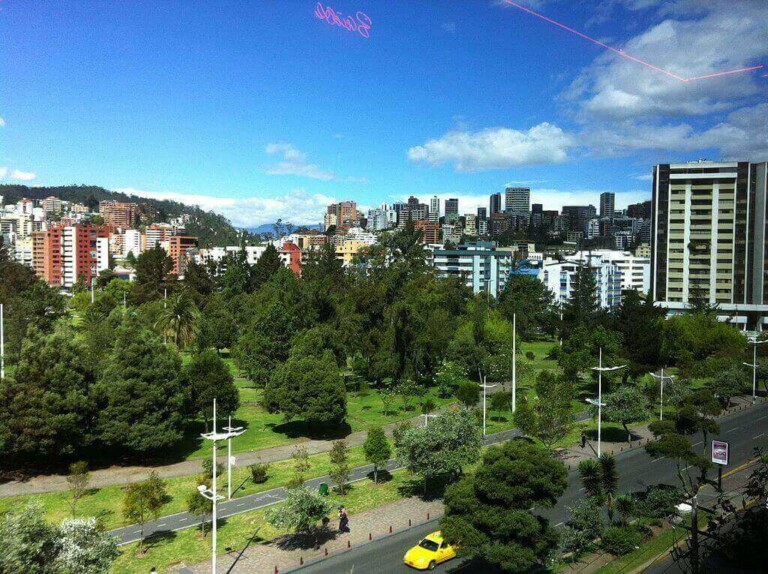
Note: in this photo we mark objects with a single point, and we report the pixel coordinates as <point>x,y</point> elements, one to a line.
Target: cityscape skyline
<point>231,130</point>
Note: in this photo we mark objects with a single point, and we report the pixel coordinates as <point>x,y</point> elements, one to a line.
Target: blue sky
<point>261,110</point>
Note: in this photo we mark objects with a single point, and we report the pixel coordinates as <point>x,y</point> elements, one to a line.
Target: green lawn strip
<point>107,502</point>
<point>191,547</point>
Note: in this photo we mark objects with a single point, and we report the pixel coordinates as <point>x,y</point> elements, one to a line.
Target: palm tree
<point>625,504</point>
<point>609,481</point>
<point>590,473</point>
<point>179,319</point>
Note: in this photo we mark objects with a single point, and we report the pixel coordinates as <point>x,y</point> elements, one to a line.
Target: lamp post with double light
<point>599,402</point>
<point>661,378</point>
<point>485,386</point>
<point>754,342</point>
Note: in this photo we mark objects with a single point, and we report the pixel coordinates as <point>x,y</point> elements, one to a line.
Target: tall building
<point>479,265</point>
<point>640,210</point>
<point>434,209</point>
<point>495,204</point>
<point>709,238</point>
<point>430,231</point>
<point>470,224</point>
<point>451,209</point>
<point>518,201</point>
<point>482,214</point>
<point>178,248</point>
<point>607,204</point>
<point>561,278</point>
<point>578,215</point>
<point>64,255</point>
<point>117,214</point>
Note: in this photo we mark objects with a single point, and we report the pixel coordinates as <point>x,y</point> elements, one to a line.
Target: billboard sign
<point>720,452</point>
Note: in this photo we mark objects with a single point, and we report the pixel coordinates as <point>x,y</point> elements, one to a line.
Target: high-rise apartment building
<point>434,209</point>
<point>709,237</point>
<point>470,224</point>
<point>518,201</point>
<point>607,204</point>
<point>451,209</point>
<point>64,255</point>
<point>178,248</point>
<point>117,214</point>
<point>495,204</point>
<point>482,213</point>
<point>578,215</point>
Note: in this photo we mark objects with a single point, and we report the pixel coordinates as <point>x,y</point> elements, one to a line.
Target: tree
<point>28,543</point>
<point>340,471</point>
<point>377,450</point>
<point>46,406</point>
<point>142,501</point>
<point>265,343</point>
<point>266,266</point>
<point>468,394</point>
<point>179,319</point>
<point>641,325</point>
<point>208,377</point>
<point>532,303</point>
<point>301,511</point>
<point>85,548</point>
<point>727,384</point>
<point>500,402</point>
<point>199,505</point>
<point>153,273</point>
<point>449,443</point>
<point>78,479</point>
<point>696,413</point>
<point>550,417</point>
<point>583,307</point>
<point>601,480</point>
<point>308,388</point>
<point>626,405</point>
<point>488,515</point>
<point>387,397</point>
<point>301,463</point>
<point>139,395</point>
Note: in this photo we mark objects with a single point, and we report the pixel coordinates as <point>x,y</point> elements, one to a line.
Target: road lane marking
<point>698,443</point>
<point>657,459</point>
<point>160,525</point>
<point>733,429</point>
<point>761,418</point>
<point>183,519</point>
<point>758,436</point>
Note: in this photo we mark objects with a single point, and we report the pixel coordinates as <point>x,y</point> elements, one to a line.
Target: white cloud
<point>295,163</point>
<point>298,206</point>
<point>495,148</point>
<point>16,174</point>
<point>2,122</point>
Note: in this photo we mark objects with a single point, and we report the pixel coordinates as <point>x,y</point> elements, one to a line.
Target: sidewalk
<point>119,475</point>
<point>371,524</point>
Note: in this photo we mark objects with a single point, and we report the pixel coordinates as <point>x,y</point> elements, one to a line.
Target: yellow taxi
<point>430,552</point>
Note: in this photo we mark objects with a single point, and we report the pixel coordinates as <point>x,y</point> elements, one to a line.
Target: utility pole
<point>754,343</point>
<point>93,281</point>
<point>485,388</point>
<point>599,401</point>
<point>514,362</point>
<point>661,381</point>
<point>165,333</point>
<point>232,432</point>
<point>2,344</point>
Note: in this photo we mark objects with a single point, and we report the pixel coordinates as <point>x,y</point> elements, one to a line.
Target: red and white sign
<point>720,452</point>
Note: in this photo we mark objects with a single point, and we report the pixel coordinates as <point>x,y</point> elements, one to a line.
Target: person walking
<point>343,519</point>
<point>583,439</point>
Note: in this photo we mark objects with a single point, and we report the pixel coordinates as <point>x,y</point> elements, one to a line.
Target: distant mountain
<point>210,228</point>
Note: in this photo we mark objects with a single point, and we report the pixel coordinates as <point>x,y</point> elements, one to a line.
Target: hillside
<point>211,228</point>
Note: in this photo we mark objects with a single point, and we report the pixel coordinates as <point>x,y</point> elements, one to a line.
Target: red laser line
<point>625,54</point>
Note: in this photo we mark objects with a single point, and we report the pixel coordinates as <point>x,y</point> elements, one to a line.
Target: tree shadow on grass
<point>300,429</point>
<point>414,486</point>
<point>307,540</point>
<point>158,539</point>
<point>473,565</point>
<point>384,476</point>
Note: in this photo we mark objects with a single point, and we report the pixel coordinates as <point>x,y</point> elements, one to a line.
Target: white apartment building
<point>132,242</point>
<point>635,271</point>
<point>480,265</point>
<point>560,279</point>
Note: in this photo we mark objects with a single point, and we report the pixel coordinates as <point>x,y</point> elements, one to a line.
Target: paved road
<point>251,502</point>
<point>744,430</point>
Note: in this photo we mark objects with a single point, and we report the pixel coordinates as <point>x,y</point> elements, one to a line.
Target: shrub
<point>530,355</point>
<point>659,501</point>
<point>574,541</point>
<point>554,353</point>
<point>620,540</point>
<point>259,472</point>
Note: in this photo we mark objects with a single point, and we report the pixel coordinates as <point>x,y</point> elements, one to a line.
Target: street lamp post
<point>754,343</point>
<point>2,344</point>
<point>661,378</point>
<point>514,362</point>
<point>233,432</point>
<point>211,493</point>
<point>428,416</point>
<point>485,388</point>
<point>599,401</point>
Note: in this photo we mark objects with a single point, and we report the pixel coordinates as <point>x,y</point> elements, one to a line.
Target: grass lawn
<point>106,503</point>
<point>235,532</point>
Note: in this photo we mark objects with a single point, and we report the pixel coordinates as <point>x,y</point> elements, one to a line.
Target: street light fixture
<point>600,404</point>
<point>233,432</point>
<point>485,388</point>
<point>661,378</point>
<point>212,493</point>
<point>754,342</point>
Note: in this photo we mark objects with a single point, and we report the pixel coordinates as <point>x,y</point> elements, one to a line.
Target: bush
<point>620,540</point>
<point>574,542</point>
<point>259,472</point>
<point>660,501</point>
<point>530,355</point>
<point>554,353</point>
